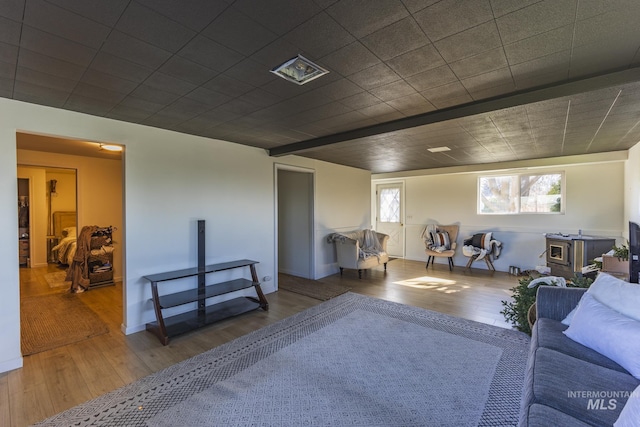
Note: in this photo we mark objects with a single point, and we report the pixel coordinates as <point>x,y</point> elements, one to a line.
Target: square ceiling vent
<point>299,70</point>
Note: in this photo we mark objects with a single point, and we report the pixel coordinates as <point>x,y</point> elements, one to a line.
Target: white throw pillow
<point>630,415</point>
<point>623,297</point>
<point>608,332</point>
<point>567,320</point>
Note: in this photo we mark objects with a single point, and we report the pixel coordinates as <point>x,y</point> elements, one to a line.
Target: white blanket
<point>66,250</point>
<point>368,242</point>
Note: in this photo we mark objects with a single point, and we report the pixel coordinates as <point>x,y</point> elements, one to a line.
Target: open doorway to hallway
<point>73,184</point>
<point>295,221</point>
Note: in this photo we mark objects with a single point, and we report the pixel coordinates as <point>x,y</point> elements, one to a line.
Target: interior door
<point>390,216</point>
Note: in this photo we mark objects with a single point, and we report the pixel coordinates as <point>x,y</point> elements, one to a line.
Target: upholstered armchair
<point>440,242</point>
<point>360,250</point>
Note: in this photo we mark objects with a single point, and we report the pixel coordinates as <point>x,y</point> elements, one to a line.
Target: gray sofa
<point>566,383</point>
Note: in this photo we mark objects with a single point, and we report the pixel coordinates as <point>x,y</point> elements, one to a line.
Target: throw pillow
<point>623,297</point>
<point>482,240</point>
<point>567,320</point>
<point>441,239</point>
<point>608,332</point>
<point>630,415</point>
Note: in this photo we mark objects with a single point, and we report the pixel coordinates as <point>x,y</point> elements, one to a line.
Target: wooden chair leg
<point>489,263</point>
<point>471,259</point>
<point>450,263</point>
<point>385,266</point>
<point>359,274</point>
<point>341,270</point>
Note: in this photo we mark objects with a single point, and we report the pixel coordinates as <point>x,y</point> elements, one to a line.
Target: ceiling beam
<point>528,96</point>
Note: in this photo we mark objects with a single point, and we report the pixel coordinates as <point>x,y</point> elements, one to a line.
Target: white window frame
<point>517,176</point>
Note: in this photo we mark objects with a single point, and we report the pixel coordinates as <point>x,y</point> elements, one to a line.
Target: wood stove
<point>568,253</point>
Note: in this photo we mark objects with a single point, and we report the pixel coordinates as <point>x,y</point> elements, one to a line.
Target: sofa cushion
<point>544,416</point>
<point>588,392</point>
<point>373,261</point>
<point>608,332</point>
<point>548,333</point>
<point>577,388</point>
<point>630,415</point>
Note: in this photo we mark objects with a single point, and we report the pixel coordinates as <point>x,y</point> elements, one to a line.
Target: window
<point>389,204</point>
<point>521,194</point>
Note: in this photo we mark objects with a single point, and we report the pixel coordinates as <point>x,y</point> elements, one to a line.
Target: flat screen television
<point>634,252</point>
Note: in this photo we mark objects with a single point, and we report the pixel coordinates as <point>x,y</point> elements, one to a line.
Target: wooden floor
<point>58,379</point>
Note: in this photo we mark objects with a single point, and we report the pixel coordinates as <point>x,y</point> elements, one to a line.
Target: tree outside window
<point>520,194</point>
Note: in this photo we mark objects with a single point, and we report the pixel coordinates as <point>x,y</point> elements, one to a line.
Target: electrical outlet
<point>266,278</point>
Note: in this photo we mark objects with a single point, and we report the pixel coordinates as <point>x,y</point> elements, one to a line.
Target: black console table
<point>166,327</point>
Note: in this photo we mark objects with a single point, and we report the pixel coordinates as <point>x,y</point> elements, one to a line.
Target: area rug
<point>55,320</point>
<point>353,360</point>
<point>56,279</point>
<point>310,288</point>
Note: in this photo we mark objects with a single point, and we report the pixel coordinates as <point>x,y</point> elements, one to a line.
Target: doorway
<point>73,184</point>
<point>295,204</point>
<point>47,208</point>
<point>390,215</point>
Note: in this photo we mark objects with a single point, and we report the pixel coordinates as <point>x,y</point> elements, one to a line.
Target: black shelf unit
<point>203,315</point>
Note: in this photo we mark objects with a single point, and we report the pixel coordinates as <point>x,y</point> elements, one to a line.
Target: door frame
<point>29,180</point>
<point>311,232</point>
<point>81,170</point>
<point>374,208</point>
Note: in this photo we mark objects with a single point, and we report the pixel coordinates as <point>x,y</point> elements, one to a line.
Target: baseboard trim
<point>12,364</point>
<point>132,330</point>
<point>293,273</point>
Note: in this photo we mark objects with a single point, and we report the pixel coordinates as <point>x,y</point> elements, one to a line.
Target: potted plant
<point>520,312</point>
<point>618,262</point>
<point>621,252</point>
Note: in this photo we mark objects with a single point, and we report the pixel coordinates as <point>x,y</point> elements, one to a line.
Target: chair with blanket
<point>440,242</point>
<point>360,249</point>
<point>482,246</point>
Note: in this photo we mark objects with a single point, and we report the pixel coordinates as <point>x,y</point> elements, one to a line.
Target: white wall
<point>170,181</point>
<point>594,203</point>
<point>65,198</point>
<point>10,357</point>
<point>632,187</point>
